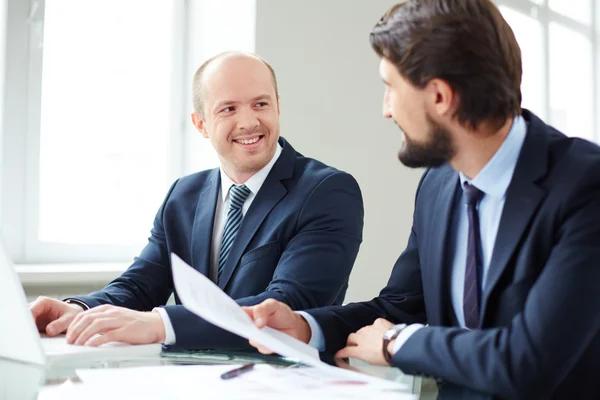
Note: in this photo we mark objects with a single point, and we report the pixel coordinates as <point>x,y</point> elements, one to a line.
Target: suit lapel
<point>202,231</point>
<point>522,200</point>
<point>440,225</point>
<point>270,193</point>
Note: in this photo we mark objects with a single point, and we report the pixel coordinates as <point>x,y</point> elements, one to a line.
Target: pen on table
<point>237,371</point>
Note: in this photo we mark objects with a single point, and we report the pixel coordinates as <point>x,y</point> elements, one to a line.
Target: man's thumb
<point>59,325</point>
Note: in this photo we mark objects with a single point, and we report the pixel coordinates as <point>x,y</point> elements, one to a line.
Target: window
<point>558,48</point>
<point>105,119</point>
<point>98,126</point>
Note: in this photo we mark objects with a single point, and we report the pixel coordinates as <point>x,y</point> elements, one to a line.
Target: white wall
<point>2,77</point>
<point>331,110</point>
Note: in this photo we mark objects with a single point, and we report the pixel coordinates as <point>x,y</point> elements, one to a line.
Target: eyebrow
<point>227,103</point>
<point>262,97</point>
<point>223,104</point>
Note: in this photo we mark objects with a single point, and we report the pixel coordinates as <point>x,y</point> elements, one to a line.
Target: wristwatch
<point>388,336</point>
<point>77,302</point>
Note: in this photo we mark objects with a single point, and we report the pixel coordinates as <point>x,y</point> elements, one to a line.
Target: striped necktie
<point>237,196</point>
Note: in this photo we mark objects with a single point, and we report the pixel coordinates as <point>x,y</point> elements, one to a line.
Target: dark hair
<point>466,43</point>
<point>197,84</point>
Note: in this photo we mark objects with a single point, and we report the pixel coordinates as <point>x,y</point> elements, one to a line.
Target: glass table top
<point>25,381</point>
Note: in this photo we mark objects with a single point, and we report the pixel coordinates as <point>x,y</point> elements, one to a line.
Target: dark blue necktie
<point>472,290</point>
<point>237,196</point>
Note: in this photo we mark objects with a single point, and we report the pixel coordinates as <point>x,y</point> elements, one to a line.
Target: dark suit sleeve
<point>529,357</point>
<point>401,301</point>
<point>313,269</point>
<point>148,282</point>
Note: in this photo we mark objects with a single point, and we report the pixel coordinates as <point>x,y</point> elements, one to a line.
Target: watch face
<point>393,331</point>
<point>388,334</point>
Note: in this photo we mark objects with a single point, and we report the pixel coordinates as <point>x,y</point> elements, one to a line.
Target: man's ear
<point>441,97</point>
<point>199,123</point>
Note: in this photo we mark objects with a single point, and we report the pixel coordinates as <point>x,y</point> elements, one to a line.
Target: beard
<point>435,152</point>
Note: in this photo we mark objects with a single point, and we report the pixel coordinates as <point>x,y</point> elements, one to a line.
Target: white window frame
<point>545,15</point>
<point>202,33</point>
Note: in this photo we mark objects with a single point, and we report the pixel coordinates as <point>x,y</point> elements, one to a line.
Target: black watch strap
<point>77,302</point>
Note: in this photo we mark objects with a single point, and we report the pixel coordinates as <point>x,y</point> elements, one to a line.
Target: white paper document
<point>205,299</point>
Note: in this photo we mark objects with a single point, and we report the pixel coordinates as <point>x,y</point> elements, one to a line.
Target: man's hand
<point>53,316</point>
<point>116,324</point>
<point>366,343</point>
<point>278,316</point>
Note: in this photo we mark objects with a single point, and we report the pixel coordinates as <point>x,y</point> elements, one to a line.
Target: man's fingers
<point>37,307</point>
<point>264,310</point>
<point>249,311</point>
<point>348,351</point>
<point>100,309</point>
<point>264,350</point>
<point>60,325</point>
<point>260,348</point>
<point>352,340</point>
<point>78,318</point>
<point>92,311</point>
<point>42,312</point>
<point>99,325</point>
<point>81,321</point>
<point>110,336</point>
<point>253,343</point>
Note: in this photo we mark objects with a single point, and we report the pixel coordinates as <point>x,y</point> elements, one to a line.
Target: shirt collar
<point>255,182</point>
<point>495,177</point>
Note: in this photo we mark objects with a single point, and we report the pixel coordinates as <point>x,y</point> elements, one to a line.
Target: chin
<point>255,165</point>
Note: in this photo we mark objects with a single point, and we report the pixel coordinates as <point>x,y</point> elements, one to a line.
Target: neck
<point>238,177</point>
<point>477,147</point>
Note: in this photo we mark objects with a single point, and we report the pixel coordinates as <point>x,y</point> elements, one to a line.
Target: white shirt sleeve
<point>405,335</point>
<point>169,331</point>
<point>317,339</point>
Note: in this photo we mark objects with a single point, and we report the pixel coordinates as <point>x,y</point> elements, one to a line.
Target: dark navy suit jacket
<point>540,318</point>
<point>297,243</point>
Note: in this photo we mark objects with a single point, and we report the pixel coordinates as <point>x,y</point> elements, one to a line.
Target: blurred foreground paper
<point>203,381</point>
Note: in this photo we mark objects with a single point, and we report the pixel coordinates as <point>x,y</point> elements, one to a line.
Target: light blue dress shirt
<point>493,180</point>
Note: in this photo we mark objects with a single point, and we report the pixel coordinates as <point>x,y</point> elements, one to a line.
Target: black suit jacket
<point>297,243</point>
<point>539,336</point>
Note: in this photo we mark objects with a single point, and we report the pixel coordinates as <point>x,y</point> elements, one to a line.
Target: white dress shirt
<point>254,183</point>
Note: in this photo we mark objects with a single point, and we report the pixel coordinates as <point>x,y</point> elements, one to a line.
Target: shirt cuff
<point>317,339</point>
<point>405,334</point>
<point>169,332</point>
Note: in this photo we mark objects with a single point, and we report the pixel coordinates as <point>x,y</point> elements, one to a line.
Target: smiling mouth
<point>248,141</point>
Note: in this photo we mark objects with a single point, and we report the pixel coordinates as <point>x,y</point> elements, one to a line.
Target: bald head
<point>226,66</point>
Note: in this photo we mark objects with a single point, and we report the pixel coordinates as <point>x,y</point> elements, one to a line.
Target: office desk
<point>25,381</point>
